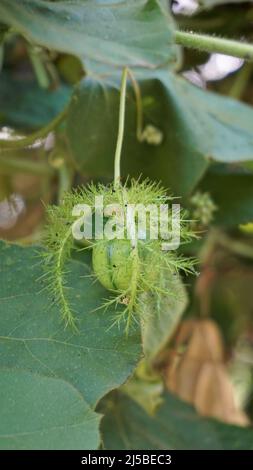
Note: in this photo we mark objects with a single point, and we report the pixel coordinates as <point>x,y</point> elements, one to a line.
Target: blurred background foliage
<point>203,108</point>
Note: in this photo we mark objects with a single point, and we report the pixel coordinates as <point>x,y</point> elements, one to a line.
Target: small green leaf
<point>232,193</point>
<point>175,426</point>
<point>44,413</point>
<point>161,315</point>
<point>33,337</point>
<point>137,33</point>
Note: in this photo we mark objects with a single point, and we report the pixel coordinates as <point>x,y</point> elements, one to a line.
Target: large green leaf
<point>175,426</point>
<point>25,105</point>
<point>137,33</point>
<point>33,337</point>
<point>218,127</point>
<point>44,413</point>
<point>197,127</point>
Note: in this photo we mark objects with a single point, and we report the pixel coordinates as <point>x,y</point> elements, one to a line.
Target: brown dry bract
<point>198,375</point>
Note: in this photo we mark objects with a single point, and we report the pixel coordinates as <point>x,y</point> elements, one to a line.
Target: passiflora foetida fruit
<point>128,254</point>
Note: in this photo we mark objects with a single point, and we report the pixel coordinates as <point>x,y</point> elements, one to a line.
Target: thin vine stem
<point>122,111</point>
<point>214,44</point>
<point>6,144</point>
<point>12,165</point>
<point>139,109</point>
<point>241,80</point>
<point>39,67</point>
<point>119,144</point>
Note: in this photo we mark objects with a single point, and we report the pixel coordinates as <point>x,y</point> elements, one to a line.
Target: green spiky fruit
<point>126,267</point>
<point>112,262</point>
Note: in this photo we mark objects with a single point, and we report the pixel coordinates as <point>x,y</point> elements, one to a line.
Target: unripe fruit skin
<point>112,262</point>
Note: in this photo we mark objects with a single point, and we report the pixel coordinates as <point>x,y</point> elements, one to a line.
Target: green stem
<point>6,144</point>
<point>39,67</point>
<point>122,107</point>
<point>65,181</point>
<point>139,118</point>
<point>241,81</point>
<point>5,186</point>
<point>235,246</point>
<point>139,110</point>
<point>13,165</point>
<point>213,44</point>
<point>1,56</point>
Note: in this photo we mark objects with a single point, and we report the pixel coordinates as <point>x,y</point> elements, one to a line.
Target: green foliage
<point>193,141</point>
<point>33,337</point>
<point>232,193</point>
<point>174,426</point>
<point>38,412</point>
<point>158,330</point>
<point>25,105</point>
<point>97,32</point>
<point>198,127</point>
